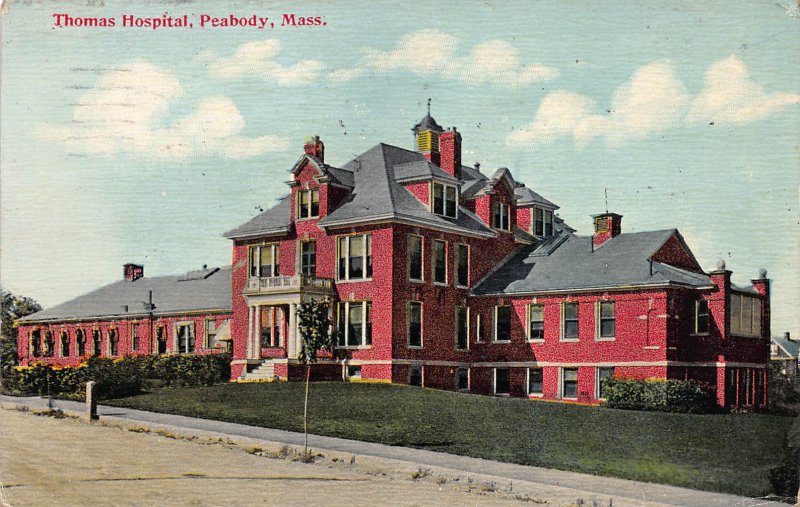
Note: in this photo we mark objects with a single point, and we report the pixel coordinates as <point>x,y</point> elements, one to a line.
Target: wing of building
<point>188,313</point>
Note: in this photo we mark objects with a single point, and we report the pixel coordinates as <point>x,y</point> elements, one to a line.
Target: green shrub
<point>192,370</point>
<point>659,395</point>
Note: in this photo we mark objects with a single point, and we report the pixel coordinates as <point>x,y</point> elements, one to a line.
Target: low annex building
<point>189,313</point>
<point>447,277</point>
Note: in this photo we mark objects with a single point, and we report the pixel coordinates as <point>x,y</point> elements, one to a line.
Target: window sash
<point>607,323</point>
<point>603,373</point>
<point>462,266</point>
<point>462,328</point>
<point>450,201</point>
<point>308,258</point>
<point>536,322</point>
<point>355,257</point>
<point>502,381</point>
<point>64,345</point>
<point>502,323</point>
<point>462,379</point>
<point>415,324</point>
<point>415,267</point>
<point>569,383</point>
<point>535,380</point>
<point>701,317</point>
<point>439,261</point>
<point>354,322</point>
<point>548,223</point>
<point>538,221</point>
<point>500,216</point>
<point>438,198</point>
<point>415,377</point>
<point>308,203</point>
<point>264,260</point>
<point>271,323</point>
<point>570,320</point>
<point>185,338</point>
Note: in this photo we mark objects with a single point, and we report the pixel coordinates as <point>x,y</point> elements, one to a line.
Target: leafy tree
<point>317,334</point>
<point>14,307</point>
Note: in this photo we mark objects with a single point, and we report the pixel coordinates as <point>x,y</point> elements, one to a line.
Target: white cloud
<point>652,101</point>
<point>257,58</point>
<point>730,96</point>
<point>558,115</point>
<point>127,110</point>
<point>433,52</point>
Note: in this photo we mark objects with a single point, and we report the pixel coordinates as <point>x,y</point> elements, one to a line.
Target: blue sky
<point>135,145</point>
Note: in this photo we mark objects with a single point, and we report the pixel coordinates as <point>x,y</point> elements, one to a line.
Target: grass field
<point>730,453</point>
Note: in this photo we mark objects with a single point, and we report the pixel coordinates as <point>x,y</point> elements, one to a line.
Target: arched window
<point>80,342</point>
<point>96,340</point>
<point>113,343</point>
<point>36,343</point>
<point>49,346</point>
<point>65,344</point>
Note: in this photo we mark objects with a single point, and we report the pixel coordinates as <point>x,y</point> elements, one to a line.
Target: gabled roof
<point>340,176</point>
<point>276,220</point>
<point>527,197</point>
<point>421,170</point>
<point>472,181</point>
<point>790,347</point>
<point>378,196</point>
<point>500,174</point>
<point>203,290</point>
<point>567,262</point>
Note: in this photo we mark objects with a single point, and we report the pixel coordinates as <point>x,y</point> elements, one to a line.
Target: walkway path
<point>623,492</point>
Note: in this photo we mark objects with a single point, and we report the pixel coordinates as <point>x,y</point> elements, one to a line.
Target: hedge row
<point>659,395</point>
<point>119,377</point>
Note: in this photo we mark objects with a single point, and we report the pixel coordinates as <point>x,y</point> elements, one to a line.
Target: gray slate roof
<point>790,347</point>
<point>566,262</point>
<point>208,289</point>
<point>528,197</point>
<point>421,169</point>
<point>276,220</point>
<point>377,195</point>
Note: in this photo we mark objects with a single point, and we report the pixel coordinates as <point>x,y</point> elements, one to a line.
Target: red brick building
<point>445,277</point>
<point>188,313</point>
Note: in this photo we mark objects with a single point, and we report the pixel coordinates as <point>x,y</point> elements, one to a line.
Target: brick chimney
<point>762,286</point>
<point>132,272</point>
<point>606,226</point>
<point>315,148</point>
<point>450,152</point>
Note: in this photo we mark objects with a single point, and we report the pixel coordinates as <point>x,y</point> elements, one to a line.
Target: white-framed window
<point>416,375</point>
<point>462,379</point>
<point>569,321</point>
<point>502,323</point>
<point>569,383</point>
<point>210,330</point>
<point>265,260</point>
<point>535,322</point>
<point>502,381</point>
<point>416,267</point>
<point>439,261</point>
<point>414,311</point>
<point>501,216</point>
<point>701,317</point>
<point>601,375</point>
<point>308,203</point>
<point>308,257</point>
<point>445,200</point>
<point>606,320</point>
<point>542,222</point>
<point>462,265</point>
<point>271,326</point>
<point>355,257</point>
<point>745,315</point>
<point>184,335</point>
<point>478,328</point>
<point>535,381</point>
<point>462,328</point>
<point>354,322</point>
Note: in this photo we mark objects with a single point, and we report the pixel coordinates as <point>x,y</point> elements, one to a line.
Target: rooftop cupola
<point>606,226</point>
<point>426,136</point>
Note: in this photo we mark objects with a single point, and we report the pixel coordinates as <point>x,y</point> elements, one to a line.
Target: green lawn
<point>730,453</point>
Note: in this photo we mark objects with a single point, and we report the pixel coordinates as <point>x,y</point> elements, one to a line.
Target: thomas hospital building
<point>441,276</point>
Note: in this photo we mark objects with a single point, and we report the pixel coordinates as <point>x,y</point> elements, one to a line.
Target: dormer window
<point>308,203</point>
<point>445,200</point>
<point>501,216</point>
<point>542,222</point>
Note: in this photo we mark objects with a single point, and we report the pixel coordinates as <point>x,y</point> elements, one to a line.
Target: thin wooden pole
<point>305,409</point>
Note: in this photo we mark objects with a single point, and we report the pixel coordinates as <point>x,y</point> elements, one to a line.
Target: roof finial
<point>605,190</point>
<point>429,106</point>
